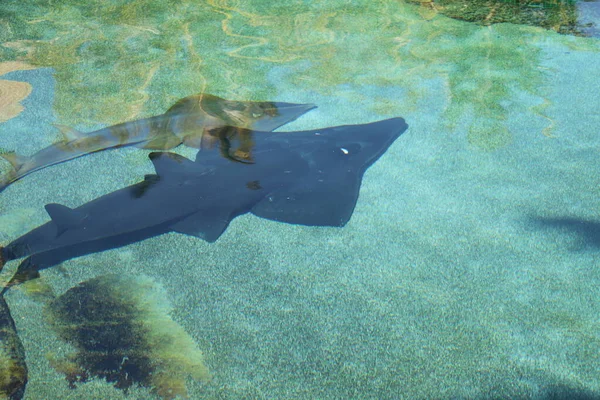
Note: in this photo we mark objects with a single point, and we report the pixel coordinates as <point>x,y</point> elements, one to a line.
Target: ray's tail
<point>2,259</point>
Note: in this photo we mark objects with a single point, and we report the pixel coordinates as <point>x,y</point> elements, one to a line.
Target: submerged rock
<point>122,332</point>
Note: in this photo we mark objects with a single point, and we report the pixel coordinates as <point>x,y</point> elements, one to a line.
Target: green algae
<point>558,15</point>
<point>122,332</point>
<point>118,61</point>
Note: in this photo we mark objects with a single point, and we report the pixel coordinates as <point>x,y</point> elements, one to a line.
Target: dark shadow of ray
<point>588,231</point>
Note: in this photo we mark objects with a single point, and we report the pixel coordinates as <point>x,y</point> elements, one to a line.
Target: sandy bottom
<point>462,273</point>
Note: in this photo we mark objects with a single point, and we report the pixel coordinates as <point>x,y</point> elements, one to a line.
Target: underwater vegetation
<point>558,15</point>
<point>122,332</point>
<point>13,370</point>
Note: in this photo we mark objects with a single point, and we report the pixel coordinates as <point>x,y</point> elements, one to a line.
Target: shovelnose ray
<point>188,121</point>
<point>309,178</point>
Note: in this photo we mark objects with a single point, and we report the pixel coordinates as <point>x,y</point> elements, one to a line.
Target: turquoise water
<point>469,269</point>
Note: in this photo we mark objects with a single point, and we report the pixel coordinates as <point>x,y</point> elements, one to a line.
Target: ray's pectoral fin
<point>324,197</point>
<point>327,194</point>
<point>319,205</point>
<point>206,224</point>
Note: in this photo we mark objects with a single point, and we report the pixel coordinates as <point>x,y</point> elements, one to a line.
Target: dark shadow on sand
<point>587,230</point>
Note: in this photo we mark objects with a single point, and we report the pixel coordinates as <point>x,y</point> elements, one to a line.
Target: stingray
<point>309,177</point>
<point>189,121</point>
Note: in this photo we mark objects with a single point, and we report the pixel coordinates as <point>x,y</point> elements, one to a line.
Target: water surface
<point>470,266</point>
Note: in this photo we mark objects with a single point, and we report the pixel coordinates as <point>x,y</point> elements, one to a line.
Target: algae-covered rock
<point>122,332</point>
<point>13,370</point>
<point>558,15</point>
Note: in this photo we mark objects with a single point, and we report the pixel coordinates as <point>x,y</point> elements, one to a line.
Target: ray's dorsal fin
<point>69,134</point>
<point>169,164</point>
<point>64,217</point>
<point>14,159</point>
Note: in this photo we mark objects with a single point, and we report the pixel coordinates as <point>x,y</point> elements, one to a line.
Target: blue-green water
<point>469,269</point>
